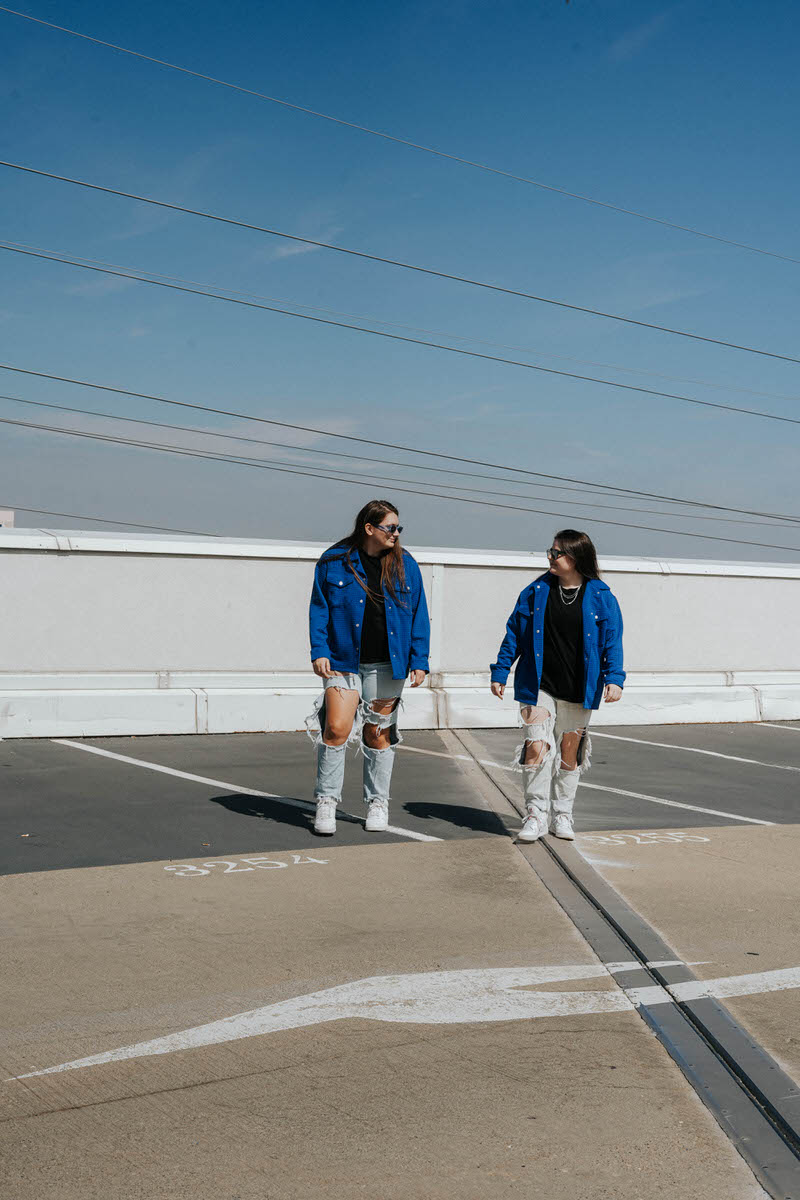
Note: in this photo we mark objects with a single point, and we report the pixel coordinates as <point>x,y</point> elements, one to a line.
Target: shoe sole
<point>324,832</point>
<point>376,828</point>
<point>565,837</point>
<point>526,837</point>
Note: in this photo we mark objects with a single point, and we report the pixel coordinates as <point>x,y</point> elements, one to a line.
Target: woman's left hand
<point>417,677</point>
<point>612,693</point>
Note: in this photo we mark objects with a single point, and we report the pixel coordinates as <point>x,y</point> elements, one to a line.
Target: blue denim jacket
<point>524,640</point>
<point>336,615</point>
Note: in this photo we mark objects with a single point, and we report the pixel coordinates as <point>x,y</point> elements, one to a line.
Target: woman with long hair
<point>566,631</point>
<point>369,631</point>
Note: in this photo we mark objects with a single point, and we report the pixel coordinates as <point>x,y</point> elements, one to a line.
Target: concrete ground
<point>266,1013</point>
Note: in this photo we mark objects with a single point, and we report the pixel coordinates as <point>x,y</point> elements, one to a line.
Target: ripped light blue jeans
<point>372,681</point>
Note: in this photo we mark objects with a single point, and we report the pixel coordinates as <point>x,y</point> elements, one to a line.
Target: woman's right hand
<point>322,667</point>
<point>498,690</point>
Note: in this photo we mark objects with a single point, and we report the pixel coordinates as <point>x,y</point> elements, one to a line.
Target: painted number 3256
<point>233,867</point>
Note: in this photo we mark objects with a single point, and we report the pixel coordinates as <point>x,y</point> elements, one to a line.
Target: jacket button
<point>361,602</point>
<point>340,583</point>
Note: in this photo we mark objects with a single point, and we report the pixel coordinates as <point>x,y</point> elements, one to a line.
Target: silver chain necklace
<point>572,598</point>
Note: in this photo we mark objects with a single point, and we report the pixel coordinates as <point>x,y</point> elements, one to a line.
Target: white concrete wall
<point>109,633</point>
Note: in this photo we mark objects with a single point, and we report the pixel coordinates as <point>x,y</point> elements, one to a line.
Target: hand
<point>612,693</point>
<point>417,677</point>
<point>498,689</point>
<point>322,667</point>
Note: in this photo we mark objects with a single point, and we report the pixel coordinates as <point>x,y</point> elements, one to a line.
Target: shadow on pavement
<point>283,810</point>
<point>476,819</point>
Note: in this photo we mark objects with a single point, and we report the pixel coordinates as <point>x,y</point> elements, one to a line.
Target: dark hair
<point>393,572</point>
<point>580,547</point>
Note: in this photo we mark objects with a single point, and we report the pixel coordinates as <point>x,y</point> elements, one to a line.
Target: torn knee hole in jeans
<point>583,754</point>
<point>381,721</point>
<point>539,730</point>
<point>535,733</point>
<point>316,721</point>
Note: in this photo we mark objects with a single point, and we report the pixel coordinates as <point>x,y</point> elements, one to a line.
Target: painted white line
<point>436,997</point>
<point>753,762</point>
<point>677,962</point>
<point>772,725</point>
<point>617,968</point>
<point>714,812</point>
<point>737,985</point>
<point>440,997</point>
<point>227,787</point>
<point>434,753</point>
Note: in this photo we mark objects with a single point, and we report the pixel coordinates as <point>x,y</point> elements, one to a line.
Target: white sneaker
<point>377,816</point>
<point>562,826</point>
<point>325,820</point>
<point>534,828</point>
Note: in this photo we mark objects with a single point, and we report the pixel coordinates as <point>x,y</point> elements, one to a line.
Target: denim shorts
<point>372,681</point>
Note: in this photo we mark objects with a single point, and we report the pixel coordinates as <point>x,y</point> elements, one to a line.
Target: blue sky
<point>684,111</point>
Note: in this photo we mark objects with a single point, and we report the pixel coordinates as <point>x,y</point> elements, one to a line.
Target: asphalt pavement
<point>205,997</point>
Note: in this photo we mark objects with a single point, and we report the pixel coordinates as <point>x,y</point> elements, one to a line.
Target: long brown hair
<point>580,547</point>
<point>393,572</point>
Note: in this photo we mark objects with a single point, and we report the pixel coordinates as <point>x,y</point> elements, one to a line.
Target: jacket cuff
<point>419,664</point>
<point>320,652</point>
<point>498,675</point>
<point>616,677</point>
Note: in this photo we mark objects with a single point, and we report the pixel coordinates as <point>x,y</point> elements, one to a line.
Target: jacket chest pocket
<point>404,598</point>
<point>340,589</point>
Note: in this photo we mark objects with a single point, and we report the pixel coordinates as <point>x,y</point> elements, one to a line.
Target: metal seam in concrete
<point>774,1089</point>
<point>750,1097</point>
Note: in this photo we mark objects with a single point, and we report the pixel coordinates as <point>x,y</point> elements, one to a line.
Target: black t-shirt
<point>562,661</point>
<point>374,639</point>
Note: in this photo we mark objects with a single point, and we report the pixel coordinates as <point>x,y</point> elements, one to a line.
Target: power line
<point>395,337</point>
<point>393,262</point>
<point>368,475</point>
<point>47,512</point>
<point>387,479</point>
<point>351,437</point>
<point>261,465</point>
<point>238,437</point>
<point>412,145</point>
<point>80,260</point>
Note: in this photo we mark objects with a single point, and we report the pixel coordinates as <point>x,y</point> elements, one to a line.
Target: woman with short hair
<point>369,632</point>
<point>566,631</point>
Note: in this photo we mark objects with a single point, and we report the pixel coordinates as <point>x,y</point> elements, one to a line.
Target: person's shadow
<point>479,820</point>
<point>300,815</point>
<point>284,810</point>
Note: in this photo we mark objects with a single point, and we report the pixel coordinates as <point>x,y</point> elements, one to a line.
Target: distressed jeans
<point>373,681</point>
<point>549,775</point>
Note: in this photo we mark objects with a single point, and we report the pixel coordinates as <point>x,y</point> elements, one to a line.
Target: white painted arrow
<point>440,997</point>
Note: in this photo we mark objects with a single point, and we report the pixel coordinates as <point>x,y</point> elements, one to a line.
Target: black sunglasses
<point>553,554</point>
<point>390,528</point>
